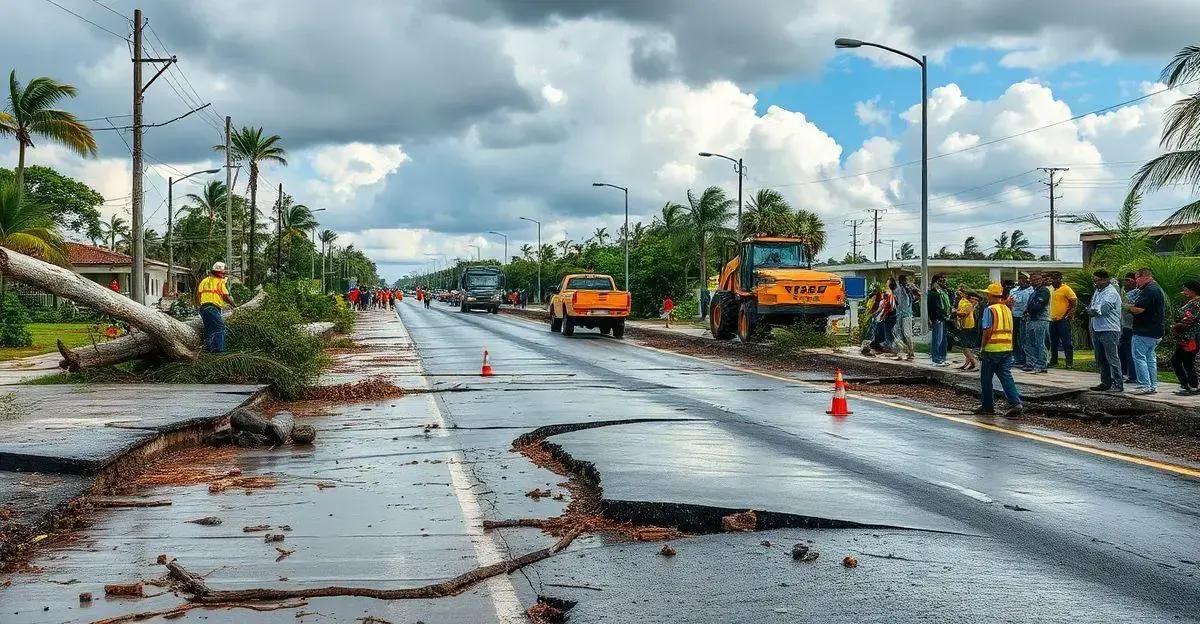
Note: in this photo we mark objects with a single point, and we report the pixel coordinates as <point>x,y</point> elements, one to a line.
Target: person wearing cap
<point>997,354</point>
<point>213,294</point>
<point>1020,298</point>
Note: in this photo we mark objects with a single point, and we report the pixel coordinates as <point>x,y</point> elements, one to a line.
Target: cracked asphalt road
<point>963,524</point>
<point>986,524</point>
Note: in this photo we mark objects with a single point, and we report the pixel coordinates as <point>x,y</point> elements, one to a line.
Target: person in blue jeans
<point>1149,314</point>
<point>996,354</point>
<point>937,306</point>
<point>1037,325</point>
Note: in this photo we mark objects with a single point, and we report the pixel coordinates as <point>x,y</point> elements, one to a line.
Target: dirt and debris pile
<point>366,390</point>
<point>249,429</point>
<point>744,522</point>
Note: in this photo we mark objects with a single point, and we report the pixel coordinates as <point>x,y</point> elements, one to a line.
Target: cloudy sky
<point>421,125</point>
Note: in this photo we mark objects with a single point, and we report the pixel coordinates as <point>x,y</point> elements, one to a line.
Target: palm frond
<point>1181,124</point>
<point>1183,68</point>
<point>1170,168</point>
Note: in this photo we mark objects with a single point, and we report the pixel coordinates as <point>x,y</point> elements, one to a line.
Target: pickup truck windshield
<point>780,256</point>
<point>589,283</point>
<point>483,281</point>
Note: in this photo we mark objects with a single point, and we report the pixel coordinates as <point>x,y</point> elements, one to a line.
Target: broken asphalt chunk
<point>273,537</point>
<point>256,528</point>
<point>801,552</point>
<point>744,522</point>
<point>206,521</point>
<point>125,589</point>
<point>667,551</point>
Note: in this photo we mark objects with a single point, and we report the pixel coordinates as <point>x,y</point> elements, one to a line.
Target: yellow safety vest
<point>210,291</point>
<point>1002,329</point>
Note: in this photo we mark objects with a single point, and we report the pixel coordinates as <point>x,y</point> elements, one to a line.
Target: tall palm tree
<point>210,202</point>
<point>673,217</point>
<point>29,113</point>
<point>811,229</point>
<point>326,237</point>
<point>250,146</point>
<point>27,226</point>
<point>768,212</point>
<point>298,220</point>
<point>527,251</point>
<point>971,250</point>
<point>708,214</point>
<point>565,246</point>
<point>116,227</point>
<point>907,252</point>
<point>600,236</point>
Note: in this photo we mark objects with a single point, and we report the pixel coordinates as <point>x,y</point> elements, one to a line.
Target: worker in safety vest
<point>213,294</point>
<point>997,353</point>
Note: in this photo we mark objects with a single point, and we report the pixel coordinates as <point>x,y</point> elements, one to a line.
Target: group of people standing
<point>892,310</point>
<point>373,298</point>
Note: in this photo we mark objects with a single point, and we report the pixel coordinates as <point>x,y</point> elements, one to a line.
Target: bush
<point>308,305</point>
<point>14,321</point>
<point>802,336</point>
<point>65,313</point>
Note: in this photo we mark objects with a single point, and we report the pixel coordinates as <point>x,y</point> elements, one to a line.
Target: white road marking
<point>965,491</point>
<point>487,549</point>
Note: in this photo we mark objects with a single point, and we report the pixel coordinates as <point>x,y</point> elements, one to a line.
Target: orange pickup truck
<point>589,300</point>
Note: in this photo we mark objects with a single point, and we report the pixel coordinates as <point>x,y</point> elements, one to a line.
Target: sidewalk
<point>20,370</point>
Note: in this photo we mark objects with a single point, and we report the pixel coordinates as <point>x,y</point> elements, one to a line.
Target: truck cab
<point>480,288</point>
<point>589,300</point>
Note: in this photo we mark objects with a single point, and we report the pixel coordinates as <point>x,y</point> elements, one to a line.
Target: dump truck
<point>589,300</point>
<point>480,288</point>
<point>768,282</point>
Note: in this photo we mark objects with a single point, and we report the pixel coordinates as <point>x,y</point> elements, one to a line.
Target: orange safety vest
<point>1002,329</point>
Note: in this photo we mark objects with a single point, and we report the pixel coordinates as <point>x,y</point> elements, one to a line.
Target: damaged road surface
<point>643,465</point>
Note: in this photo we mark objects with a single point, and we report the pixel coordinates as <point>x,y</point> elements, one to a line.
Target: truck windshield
<point>783,255</point>
<point>589,283</point>
<point>483,281</point>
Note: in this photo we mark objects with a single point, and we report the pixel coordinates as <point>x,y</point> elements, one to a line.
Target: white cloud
<point>870,114</point>
<point>553,95</point>
<point>344,169</point>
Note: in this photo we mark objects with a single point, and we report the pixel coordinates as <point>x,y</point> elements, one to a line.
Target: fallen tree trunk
<point>135,345</point>
<point>177,340</point>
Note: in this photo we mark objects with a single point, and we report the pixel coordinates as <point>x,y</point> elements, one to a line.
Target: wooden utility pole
<point>875,236</point>
<point>1051,171</point>
<point>137,275</point>
<point>229,203</point>
<point>279,235</point>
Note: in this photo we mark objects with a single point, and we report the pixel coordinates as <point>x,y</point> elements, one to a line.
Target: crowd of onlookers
<point>373,298</point>
<point>1126,320</point>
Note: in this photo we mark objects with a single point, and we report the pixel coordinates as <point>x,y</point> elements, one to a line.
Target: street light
<point>478,252</point>
<point>313,264</point>
<point>539,279</point>
<point>855,43</point>
<point>436,257</point>
<point>171,224</point>
<point>505,236</point>
<point>740,170</point>
<point>626,191</point>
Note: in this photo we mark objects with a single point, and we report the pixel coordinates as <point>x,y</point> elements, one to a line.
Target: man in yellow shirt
<point>1062,308</point>
<point>213,294</point>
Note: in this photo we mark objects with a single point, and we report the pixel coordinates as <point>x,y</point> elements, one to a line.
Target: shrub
<point>14,321</point>
<point>802,336</point>
<point>310,306</point>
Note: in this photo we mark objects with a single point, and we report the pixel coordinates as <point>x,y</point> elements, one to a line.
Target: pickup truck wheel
<point>496,309</point>
<point>746,324</point>
<point>722,315</point>
<point>568,326</point>
<point>605,329</point>
<point>619,330</point>
<point>555,322</point>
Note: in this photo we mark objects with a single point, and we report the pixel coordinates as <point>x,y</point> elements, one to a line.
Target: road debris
<point>125,589</point>
<point>256,528</point>
<point>801,552</point>
<point>371,619</point>
<point>744,522</point>
<point>129,502</point>
<point>273,537</point>
<point>537,493</point>
<point>85,597</point>
<point>321,485</point>
<point>247,483</point>
<point>850,562</point>
<point>162,560</point>
<point>206,521</point>
<point>667,551</point>
<point>545,613</point>
<point>283,553</point>
<point>304,434</point>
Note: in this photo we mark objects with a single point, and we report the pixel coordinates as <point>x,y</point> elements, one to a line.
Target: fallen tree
<point>158,332</point>
<point>135,345</point>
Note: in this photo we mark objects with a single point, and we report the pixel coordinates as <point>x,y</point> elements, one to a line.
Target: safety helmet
<point>218,267</point>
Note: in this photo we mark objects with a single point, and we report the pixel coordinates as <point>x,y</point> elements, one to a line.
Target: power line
<point>124,37</point>
<point>156,125</point>
<point>987,143</point>
<point>111,10</point>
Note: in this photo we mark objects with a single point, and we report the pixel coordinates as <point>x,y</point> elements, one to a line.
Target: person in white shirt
<point>1105,314</point>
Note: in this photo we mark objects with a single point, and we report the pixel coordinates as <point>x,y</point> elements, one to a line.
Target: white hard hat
<point>218,267</point>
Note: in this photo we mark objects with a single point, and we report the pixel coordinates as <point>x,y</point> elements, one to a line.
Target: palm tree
<point>1129,243</point>
<point>811,229</point>
<point>944,254</point>
<point>326,237</point>
<point>707,215</point>
<point>26,226</point>
<point>1181,135</point>
<point>250,146</point>
<point>971,250</point>
<point>672,218</point>
<point>768,212</point>
<point>1019,245</point>
<point>600,236</point>
<point>116,227</point>
<point>907,252</point>
<point>565,246</point>
<point>210,202</point>
<point>527,251</point>
<point>28,113</point>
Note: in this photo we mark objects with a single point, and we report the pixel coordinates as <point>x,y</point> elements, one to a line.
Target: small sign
<point>856,287</point>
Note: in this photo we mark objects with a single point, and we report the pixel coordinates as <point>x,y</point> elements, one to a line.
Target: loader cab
<point>756,254</point>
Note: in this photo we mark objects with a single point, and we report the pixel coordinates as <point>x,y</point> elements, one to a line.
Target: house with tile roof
<point>112,269</point>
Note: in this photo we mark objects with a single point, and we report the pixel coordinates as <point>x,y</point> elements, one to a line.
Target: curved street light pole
<point>539,238</point>
<point>504,258</point>
<point>738,168</point>
<point>626,191</point>
<point>855,43</point>
<point>171,225</point>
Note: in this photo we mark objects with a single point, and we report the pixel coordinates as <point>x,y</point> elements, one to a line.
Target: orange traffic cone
<point>839,407</point>
<point>486,371</point>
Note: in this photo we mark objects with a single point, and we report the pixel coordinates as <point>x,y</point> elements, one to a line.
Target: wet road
<point>968,523</point>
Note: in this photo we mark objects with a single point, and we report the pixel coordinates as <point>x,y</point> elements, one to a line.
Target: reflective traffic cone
<point>486,371</point>
<point>839,407</point>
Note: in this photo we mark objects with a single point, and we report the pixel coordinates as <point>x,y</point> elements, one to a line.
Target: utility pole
<point>228,203</point>
<point>875,235</point>
<point>1051,171</point>
<point>854,223</point>
<point>138,268</point>
<point>279,235</point>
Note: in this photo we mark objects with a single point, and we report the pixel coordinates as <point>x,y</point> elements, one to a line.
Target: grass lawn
<point>45,337</point>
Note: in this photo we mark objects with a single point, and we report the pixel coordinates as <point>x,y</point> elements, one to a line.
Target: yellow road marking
<point>1178,469</point>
